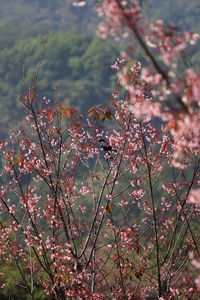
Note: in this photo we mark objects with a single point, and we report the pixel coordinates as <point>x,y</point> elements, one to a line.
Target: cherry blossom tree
<point>90,211</point>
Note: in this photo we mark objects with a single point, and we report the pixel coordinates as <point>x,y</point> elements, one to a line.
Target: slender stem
<point>119,260</point>
<point>181,212</point>
<point>95,215</point>
<point>154,214</point>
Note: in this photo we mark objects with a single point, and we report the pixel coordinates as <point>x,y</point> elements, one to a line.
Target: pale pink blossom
<point>194,197</point>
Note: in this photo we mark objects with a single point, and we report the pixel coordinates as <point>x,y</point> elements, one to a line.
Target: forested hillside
<point>28,17</point>
<point>76,64</point>
<point>183,13</point>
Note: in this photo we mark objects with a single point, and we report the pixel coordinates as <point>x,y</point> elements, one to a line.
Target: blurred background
<point>75,68</point>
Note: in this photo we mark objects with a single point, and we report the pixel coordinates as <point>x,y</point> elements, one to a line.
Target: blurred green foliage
<point>183,13</point>
<point>77,65</point>
<point>14,287</point>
